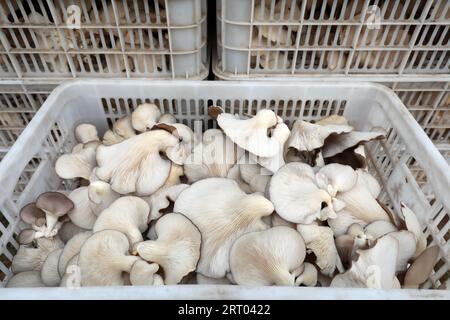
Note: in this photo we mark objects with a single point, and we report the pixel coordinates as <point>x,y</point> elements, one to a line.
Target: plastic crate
<point>260,38</point>
<point>18,104</point>
<point>27,170</point>
<point>163,39</point>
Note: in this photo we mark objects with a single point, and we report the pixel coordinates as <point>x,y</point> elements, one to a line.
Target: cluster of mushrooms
<point>252,203</point>
<point>93,12</point>
<point>284,37</point>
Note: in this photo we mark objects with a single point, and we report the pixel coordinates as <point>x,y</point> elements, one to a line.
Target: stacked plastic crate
<point>403,44</point>
<point>43,43</point>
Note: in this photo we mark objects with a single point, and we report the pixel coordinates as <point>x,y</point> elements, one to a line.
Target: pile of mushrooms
<point>252,203</point>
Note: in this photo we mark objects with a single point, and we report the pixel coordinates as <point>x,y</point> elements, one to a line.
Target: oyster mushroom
<point>143,273</point>
<point>32,258</point>
<point>162,199</point>
<point>25,279</point>
<point>103,259</point>
<point>71,249</point>
<point>122,130</point>
<point>338,143</point>
<point>222,212</point>
<point>79,163</point>
<point>86,132</point>
<point>176,249</point>
<point>421,268</point>
<point>128,215</point>
<point>320,241</point>
<point>413,225</point>
<point>49,272</point>
<point>251,134</point>
<point>55,205</point>
<point>267,257</point>
<point>308,277</point>
<point>145,116</point>
<point>135,165</point>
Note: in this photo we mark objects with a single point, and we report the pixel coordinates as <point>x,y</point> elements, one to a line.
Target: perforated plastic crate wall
<point>163,39</point>
<point>331,37</point>
<point>401,162</point>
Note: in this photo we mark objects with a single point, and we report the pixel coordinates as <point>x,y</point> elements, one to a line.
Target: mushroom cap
<point>147,171</point>
<point>421,268</point>
<point>29,258</point>
<point>413,225</point>
<point>68,230</point>
<point>103,258</point>
<point>267,257</point>
<point>49,272</point>
<point>71,249</point>
<point>81,215</point>
<point>71,276</point>
<point>161,199</point>
<point>251,134</point>
<point>86,132</point>
<point>55,203</point>
<point>379,228</point>
<point>25,279</point>
<point>142,273</point>
<point>167,118</point>
<point>26,236</point>
<point>145,116</point>
<point>101,195</point>
<point>176,249</point>
<point>375,267</point>
<point>306,136</point>
<point>128,215</point>
<point>308,277</point>
<point>406,247</point>
<point>78,164</point>
<point>30,213</point>
<point>123,128</point>
<point>320,240</point>
<point>295,194</point>
<point>222,212</point>
<point>336,178</point>
<point>338,143</point>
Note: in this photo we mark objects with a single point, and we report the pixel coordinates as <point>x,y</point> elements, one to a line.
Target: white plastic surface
<point>400,162</point>
<point>331,37</point>
<point>65,39</point>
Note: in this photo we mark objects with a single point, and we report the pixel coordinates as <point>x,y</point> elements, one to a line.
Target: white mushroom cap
<point>147,171</point>
<point>254,175</point>
<point>122,130</point>
<point>320,240</point>
<point>103,258</point>
<point>267,257</point>
<point>308,277</point>
<point>49,272</point>
<point>71,276</point>
<point>128,215</point>
<point>306,136</point>
<point>379,228</point>
<point>413,225</point>
<point>71,249</point>
<point>375,267</point>
<point>406,248</point>
<point>145,116</point>
<point>29,258</point>
<point>343,220</point>
<point>176,249</point>
<point>142,273</point>
<point>276,220</point>
<point>222,212</point>
<point>234,174</point>
<point>101,195</point>
<point>78,164</point>
<point>211,158</point>
<point>251,134</point>
<point>336,178</point>
<point>81,215</point>
<point>295,194</point>
<point>162,198</point>
<point>167,118</point>
<point>25,279</point>
<point>334,119</point>
<point>86,132</point>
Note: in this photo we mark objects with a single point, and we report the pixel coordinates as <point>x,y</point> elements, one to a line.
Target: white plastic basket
<point>405,156</point>
<point>296,37</point>
<point>64,39</point>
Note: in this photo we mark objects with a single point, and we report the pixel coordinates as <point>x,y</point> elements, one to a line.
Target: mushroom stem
<point>125,263</point>
<point>51,222</point>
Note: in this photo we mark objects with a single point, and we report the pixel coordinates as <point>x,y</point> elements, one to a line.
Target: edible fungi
<point>406,248</point>
<point>122,130</point>
<point>421,268</point>
<point>176,249</point>
<point>256,176</point>
<point>375,267</point>
<point>71,249</point>
<point>86,132</point>
<point>142,273</point>
<point>32,258</point>
<point>103,259</point>
<point>222,212</point>
<point>336,144</point>
<point>167,118</point>
<point>55,205</point>
<point>295,194</point>
<point>413,225</point>
<point>25,279</point>
<point>78,164</point>
<point>252,134</point>
<point>201,279</point>
<point>308,277</point>
<point>379,228</point>
<point>162,198</point>
<point>320,240</point>
<point>128,215</point>
<point>135,165</point>
<point>49,272</point>
<point>145,116</point>
<point>267,257</point>
<point>68,231</point>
